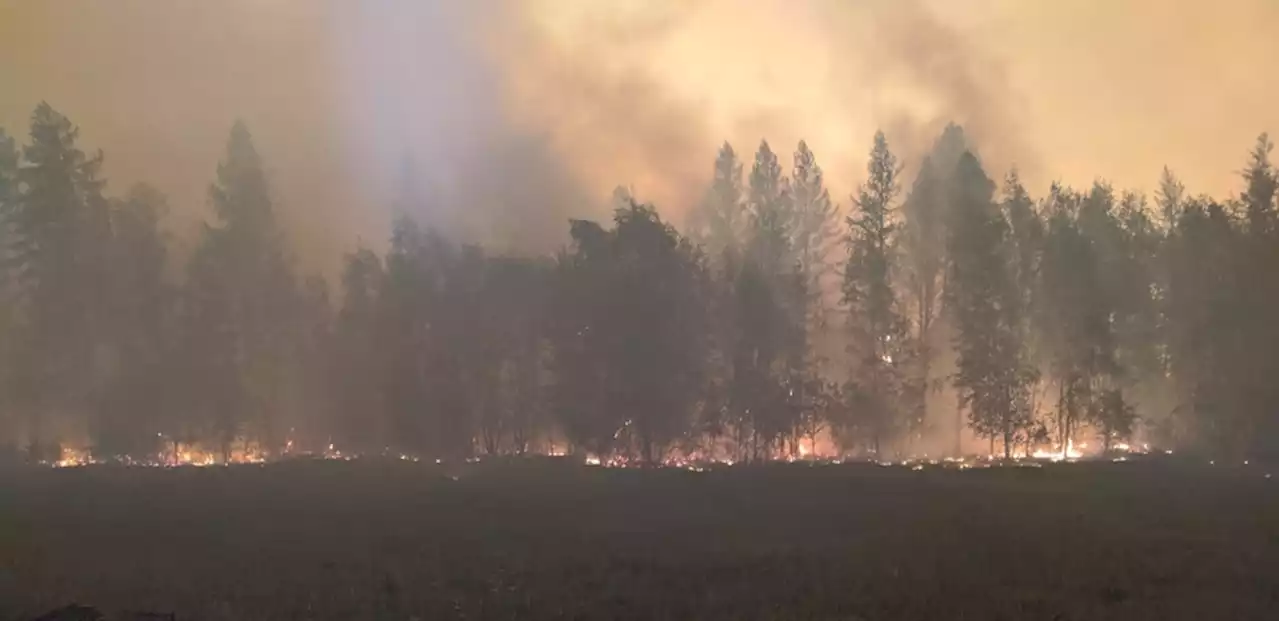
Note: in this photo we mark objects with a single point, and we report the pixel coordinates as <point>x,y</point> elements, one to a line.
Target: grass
<point>549,540</point>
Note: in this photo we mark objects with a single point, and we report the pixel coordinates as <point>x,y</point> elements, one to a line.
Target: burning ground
<point>1152,538</point>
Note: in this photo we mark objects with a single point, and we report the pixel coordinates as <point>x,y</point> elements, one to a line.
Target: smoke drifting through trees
<point>510,106</point>
<point>1068,317</point>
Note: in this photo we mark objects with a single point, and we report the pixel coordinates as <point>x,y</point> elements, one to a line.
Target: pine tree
<point>926,214</point>
<point>879,344</point>
<point>9,311</point>
<point>718,222</point>
<point>1258,302</point>
<point>814,231</point>
<point>720,225</point>
<point>241,299</point>
<point>770,225</point>
<point>60,231</point>
<point>1259,197</point>
<point>1027,237</point>
<point>8,194</point>
<point>992,375</point>
<point>1169,198</point>
<point>1026,231</point>
<point>757,393</point>
<point>815,228</point>
<point>359,364</point>
<point>768,359</point>
<point>1203,328</point>
<point>138,321</point>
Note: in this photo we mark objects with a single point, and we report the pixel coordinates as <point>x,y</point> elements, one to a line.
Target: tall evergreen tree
<point>1202,316</point>
<point>815,229</point>
<point>814,232</point>
<point>719,221</point>
<point>879,344</point>
<point>240,303</point>
<point>1259,197</point>
<point>9,310</point>
<point>60,228</point>
<point>138,320</point>
<point>1169,198</point>
<point>1084,268</point>
<point>1027,236</point>
<point>767,307</point>
<point>992,373</point>
<point>359,356</point>
<point>1026,239</point>
<point>1258,267</point>
<point>926,216</point>
<point>771,221</point>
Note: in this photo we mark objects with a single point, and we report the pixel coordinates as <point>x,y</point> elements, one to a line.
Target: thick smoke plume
<point>500,119</point>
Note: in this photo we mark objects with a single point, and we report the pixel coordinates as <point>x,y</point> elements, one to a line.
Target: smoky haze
<point>499,119</point>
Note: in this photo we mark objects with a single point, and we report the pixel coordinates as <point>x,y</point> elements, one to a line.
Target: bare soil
<point>546,539</point>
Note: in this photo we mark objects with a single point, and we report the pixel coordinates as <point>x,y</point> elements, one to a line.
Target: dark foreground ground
<point>378,540</point>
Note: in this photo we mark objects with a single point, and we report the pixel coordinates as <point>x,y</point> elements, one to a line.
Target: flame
<point>72,457</point>
<point>818,450</point>
<point>1072,453</point>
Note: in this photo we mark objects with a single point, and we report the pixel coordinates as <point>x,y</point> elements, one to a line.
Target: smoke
<point>932,75</point>
<point>511,133</point>
<point>601,94</point>
<point>501,119</point>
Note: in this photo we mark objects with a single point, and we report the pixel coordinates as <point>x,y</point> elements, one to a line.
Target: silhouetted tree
<point>359,356</point>
<point>10,316</point>
<point>518,289</point>
<point>631,343</point>
<point>879,347</point>
<point>634,341</point>
<point>1169,198</point>
<point>992,374</point>
<point>60,235</point>
<point>139,327</point>
<point>814,232</point>
<point>718,222</point>
<point>769,292</point>
<point>239,306</point>
<point>769,229</point>
<point>926,216</point>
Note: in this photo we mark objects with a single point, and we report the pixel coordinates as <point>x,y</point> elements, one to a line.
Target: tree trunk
<point>1062,420</point>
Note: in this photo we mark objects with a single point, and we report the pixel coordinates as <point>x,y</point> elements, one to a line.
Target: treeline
<point>776,317</point>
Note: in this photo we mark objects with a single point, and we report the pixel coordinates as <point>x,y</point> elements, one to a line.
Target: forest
<point>777,321</point>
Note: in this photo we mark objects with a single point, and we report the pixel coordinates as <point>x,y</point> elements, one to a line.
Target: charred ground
<point>369,539</point>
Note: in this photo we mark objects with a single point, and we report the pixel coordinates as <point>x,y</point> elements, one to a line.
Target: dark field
<point>546,539</point>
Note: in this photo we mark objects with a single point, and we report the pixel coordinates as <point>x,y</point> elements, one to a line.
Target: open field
<point>549,539</point>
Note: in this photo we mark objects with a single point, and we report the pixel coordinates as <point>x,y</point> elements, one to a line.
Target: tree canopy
<point>778,320</point>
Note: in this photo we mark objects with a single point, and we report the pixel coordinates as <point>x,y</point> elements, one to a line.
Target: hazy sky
<point>504,117</point>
